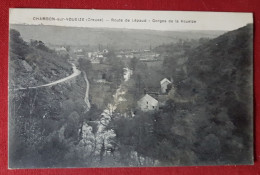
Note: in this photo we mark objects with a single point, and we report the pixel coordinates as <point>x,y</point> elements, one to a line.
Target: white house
<point>100,55</point>
<point>95,60</point>
<point>164,84</point>
<point>148,103</point>
<point>89,54</point>
<point>61,50</point>
<point>105,51</point>
<point>78,50</point>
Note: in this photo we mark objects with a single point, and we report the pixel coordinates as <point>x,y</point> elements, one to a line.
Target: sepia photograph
<point>118,88</point>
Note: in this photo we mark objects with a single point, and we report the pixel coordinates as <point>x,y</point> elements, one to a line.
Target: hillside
<point>33,64</point>
<point>207,119</point>
<point>115,38</point>
<point>225,63</point>
<point>36,115</point>
<point>220,79</point>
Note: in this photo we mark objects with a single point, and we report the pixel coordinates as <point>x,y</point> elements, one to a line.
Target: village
<point>148,99</point>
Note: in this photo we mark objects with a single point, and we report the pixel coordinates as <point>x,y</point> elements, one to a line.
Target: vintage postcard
<point>115,88</point>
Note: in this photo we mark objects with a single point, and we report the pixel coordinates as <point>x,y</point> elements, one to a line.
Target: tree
<point>39,45</point>
<point>17,45</point>
<point>68,48</point>
<point>42,46</point>
<point>85,65</point>
<point>133,63</point>
<point>72,127</point>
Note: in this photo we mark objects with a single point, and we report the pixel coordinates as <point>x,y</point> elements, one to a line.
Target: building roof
<point>165,80</point>
<point>149,98</point>
<point>60,49</point>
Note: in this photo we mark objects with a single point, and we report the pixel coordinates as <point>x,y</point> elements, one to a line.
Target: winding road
<point>75,73</point>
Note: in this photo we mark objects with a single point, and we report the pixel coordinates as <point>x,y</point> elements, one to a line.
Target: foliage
<point>39,45</point>
<point>18,47</point>
<point>208,117</point>
<point>85,65</point>
<point>44,124</point>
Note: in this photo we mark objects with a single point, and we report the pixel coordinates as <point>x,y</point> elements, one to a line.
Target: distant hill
<point>117,38</point>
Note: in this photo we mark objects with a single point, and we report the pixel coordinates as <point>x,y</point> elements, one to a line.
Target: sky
<point>132,19</point>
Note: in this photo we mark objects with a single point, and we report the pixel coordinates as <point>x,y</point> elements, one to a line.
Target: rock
<point>27,67</point>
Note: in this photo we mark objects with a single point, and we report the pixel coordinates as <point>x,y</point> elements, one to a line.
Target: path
<point>86,98</point>
<point>75,73</point>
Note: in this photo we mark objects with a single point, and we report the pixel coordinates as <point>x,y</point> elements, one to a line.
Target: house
<point>61,50</point>
<point>129,55</point>
<point>105,51</point>
<point>89,54</point>
<point>95,60</point>
<point>100,55</point>
<point>148,103</point>
<point>119,56</point>
<point>79,51</point>
<point>80,56</point>
<point>164,85</point>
